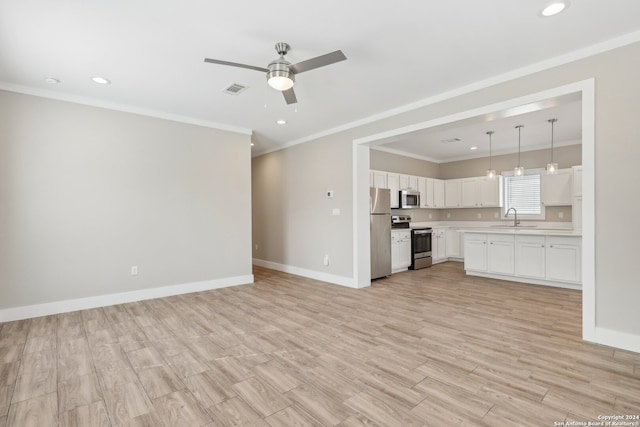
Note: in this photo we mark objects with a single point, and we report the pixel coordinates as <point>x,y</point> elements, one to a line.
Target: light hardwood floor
<point>426,348</point>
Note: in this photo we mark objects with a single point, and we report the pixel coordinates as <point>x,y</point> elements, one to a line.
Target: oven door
<point>421,243</point>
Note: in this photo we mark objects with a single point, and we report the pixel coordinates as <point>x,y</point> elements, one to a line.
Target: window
<point>523,194</point>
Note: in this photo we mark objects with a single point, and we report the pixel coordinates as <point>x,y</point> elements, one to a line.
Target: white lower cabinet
<point>454,243</point>
<point>475,252</point>
<point>546,260</point>
<point>530,256</point>
<point>563,258</point>
<point>438,245</point>
<point>400,250</point>
<point>500,255</point>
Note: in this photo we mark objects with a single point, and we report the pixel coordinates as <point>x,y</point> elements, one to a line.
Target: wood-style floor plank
<point>431,347</point>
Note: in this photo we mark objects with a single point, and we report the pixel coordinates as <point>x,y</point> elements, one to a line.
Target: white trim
<point>588,211</point>
<point>93,102</point>
<point>587,90</point>
<point>579,54</point>
<point>311,274</point>
<point>37,310</point>
<point>623,340</point>
<point>480,155</point>
<point>527,280</point>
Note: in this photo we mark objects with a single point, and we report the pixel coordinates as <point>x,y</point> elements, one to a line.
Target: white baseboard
<point>317,275</point>
<point>37,310</point>
<point>617,339</point>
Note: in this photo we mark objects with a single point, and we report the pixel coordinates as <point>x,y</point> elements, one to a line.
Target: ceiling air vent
<point>450,140</point>
<point>234,89</point>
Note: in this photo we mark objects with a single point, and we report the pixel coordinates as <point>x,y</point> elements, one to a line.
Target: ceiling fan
<point>281,73</point>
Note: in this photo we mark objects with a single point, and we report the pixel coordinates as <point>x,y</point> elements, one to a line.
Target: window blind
<point>523,193</point>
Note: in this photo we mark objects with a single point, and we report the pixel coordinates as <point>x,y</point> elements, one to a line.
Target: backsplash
<point>552,214</point>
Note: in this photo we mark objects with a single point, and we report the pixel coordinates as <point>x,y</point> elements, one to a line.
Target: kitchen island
<point>551,257</point>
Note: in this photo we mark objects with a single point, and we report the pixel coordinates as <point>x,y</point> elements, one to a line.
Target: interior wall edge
<point>617,339</point>
<point>58,307</point>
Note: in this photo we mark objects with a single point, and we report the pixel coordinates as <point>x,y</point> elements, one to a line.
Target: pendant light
<point>519,170</point>
<point>491,173</point>
<point>552,168</point>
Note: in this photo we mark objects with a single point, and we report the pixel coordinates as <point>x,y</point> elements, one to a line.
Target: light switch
<point>336,212</point>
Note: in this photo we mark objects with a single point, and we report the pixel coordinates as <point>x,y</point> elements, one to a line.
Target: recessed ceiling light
<point>51,80</point>
<point>281,122</point>
<point>554,8</point>
<point>101,80</point>
<point>473,148</point>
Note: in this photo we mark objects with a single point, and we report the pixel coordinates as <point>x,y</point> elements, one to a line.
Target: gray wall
<point>390,162</point>
<point>86,193</point>
<point>293,221</point>
<point>617,153</point>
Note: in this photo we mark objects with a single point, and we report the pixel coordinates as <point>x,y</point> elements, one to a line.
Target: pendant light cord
<point>490,133</point>
<point>552,121</point>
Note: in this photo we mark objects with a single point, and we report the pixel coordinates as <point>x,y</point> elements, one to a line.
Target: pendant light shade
<point>491,173</point>
<point>552,168</point>
<point>519,170</point>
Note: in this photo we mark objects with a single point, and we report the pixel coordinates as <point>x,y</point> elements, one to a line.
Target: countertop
<point>542,229</point>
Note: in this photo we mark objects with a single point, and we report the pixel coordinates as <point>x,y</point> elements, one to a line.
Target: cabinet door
<point>393,183</point>
<point>500,256</point>
<point>490,191</point>
<point>563,259</point>
<point>530,256</point>
<point>452,243</point>
<point>379,179</point>
<point>452,189</point>
<point>438,193</point>
<point>470,192</point>
<point>425,186</point>
<point>557,190</point>
<point>405,251</point>
<point>577,181</point>
<point>438,245</point>
<point>475,252</point>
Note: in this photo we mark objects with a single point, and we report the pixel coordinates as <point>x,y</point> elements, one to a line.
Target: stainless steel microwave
<point>409,199</point>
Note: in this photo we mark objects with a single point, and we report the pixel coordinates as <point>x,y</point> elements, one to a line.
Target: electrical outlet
<point>448,215</point>
<point>496,215</point>
<point>256,246</point>
<point>325,261</point>
<point>479,215</point>
<point>335,212</point>
<point>134,270</point>
<point>430,216</point>
<point>560,214</point>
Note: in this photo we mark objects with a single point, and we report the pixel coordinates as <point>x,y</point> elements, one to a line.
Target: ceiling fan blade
<point>290,96</point>
<point>235,64</point>
<point>318,61</point>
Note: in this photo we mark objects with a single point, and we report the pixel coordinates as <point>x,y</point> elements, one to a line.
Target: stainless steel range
<point>421,248</point>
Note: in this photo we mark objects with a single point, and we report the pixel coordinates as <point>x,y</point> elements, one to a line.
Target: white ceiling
<point>399,53</point>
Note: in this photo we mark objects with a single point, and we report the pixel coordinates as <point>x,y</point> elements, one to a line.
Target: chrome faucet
<point>515,219</point>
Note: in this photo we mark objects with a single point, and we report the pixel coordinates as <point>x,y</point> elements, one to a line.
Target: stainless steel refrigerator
<point>380,203</point>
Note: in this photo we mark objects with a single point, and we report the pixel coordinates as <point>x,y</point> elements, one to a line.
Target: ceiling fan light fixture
<point>280,76</point>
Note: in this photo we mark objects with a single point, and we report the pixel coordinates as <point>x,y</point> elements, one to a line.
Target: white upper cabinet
<point>557,190</point>
<point>378,179</point>
<point>408,182</point>
<point>393,184</point>
<point>482,192</point>
<point>577,181</point>
<point>452,193</point>
<point>438,193</point>
<point>425,186</point>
